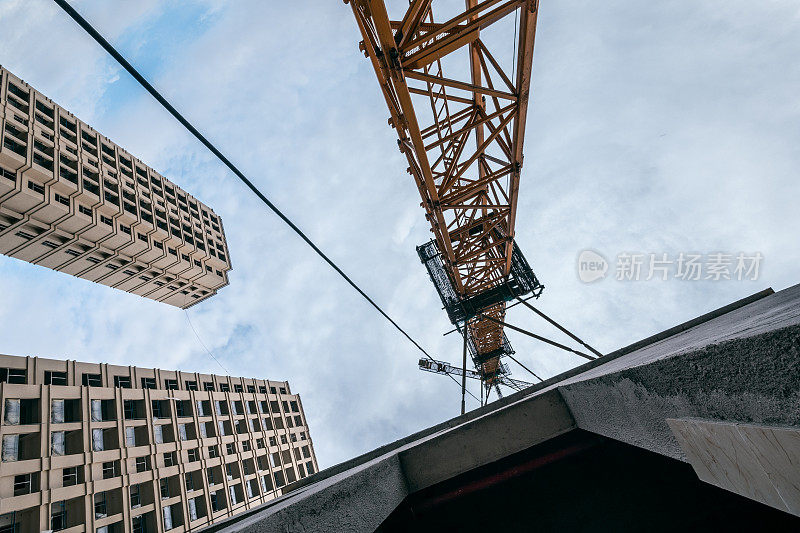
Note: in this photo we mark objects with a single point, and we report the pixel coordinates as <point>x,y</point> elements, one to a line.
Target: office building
<point>99,448</point>
<point>73,201</point>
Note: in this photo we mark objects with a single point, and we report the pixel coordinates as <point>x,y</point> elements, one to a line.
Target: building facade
<point>98,448</point>
<point>73,201</point>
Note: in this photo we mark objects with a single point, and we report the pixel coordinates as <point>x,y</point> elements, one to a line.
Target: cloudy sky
<point>655,127</point>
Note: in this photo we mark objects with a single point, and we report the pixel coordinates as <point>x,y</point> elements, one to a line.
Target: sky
<point>654,128</point>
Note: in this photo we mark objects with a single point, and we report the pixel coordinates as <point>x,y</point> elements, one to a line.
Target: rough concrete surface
<point>755,379</point>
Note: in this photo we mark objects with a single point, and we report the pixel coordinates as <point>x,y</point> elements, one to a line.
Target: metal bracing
<point>462,133</point>
<point>442,367</point>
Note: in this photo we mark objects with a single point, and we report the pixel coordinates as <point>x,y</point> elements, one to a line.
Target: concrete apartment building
<point>73,201</point>
<point>99,448</point>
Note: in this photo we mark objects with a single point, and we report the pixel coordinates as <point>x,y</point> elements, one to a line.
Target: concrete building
<point>73,201</point>
<point>99,448</point>
<point>693,429</point>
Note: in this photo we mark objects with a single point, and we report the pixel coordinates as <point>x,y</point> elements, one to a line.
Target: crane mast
<point>462,135</point>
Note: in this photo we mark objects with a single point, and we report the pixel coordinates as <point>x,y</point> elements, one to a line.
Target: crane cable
<point>83,23</point>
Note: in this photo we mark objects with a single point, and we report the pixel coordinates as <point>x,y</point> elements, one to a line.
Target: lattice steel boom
<point>463,141</point>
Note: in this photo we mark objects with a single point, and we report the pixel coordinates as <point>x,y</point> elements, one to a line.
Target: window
<point>164,488</point>
<point>273,441</point>
<point>98,444</point>
<point>136,496</point>
<point>210,476</point>
<point>260,443</point>
<point>213,451</point>
<point>298,420</point>
<point>160,409</point>
<point>103,410</point>
<point>62,199</point>
<point>208,386</point>
<point>230,448</point>
<point>189,480</point>
<point>143,463</point>
<point>224,387</point>
<point>283,390</point>
<point>26,484</point>
<point>148,383</point>
<point>279,482</point>
<point>57,443</point>
<point>70,476</point>
<point>183,408</point>
<point>100,507</point>
<point>55,378</point>
<point>130,436</point>
<point>170,459</point>
<point>237,388</point>
<point>171,384</point>
<point>35,187</point>
<point>21,411</point>
<point>138,525</point>
<point>310,468</point>
<point>193,509</point>
<point>294,407</point>
<point>58,515</point>
<point>182,433</point>
<point>274,406</point>
<point>84,210</point>
<point>130,409</point>
<point>123,382</point>
<point>191,385</point>
<point>283,439</point>
<point>194,455</point>
<point>10,448</point>
<point>110,469</point>
<point>251,388</point>
<point>262,389</point>
<point>272,390</point>
<point>92,380</point>
<point>158,434</point>
<point>105,220</point>
<point>246,446</point>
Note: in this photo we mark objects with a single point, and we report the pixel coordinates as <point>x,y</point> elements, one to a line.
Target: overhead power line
<point>83,23</point>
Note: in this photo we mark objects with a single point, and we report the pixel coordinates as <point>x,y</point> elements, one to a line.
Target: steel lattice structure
<point>467,156</point>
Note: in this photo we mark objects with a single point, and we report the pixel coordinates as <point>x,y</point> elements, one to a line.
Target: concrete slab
<point>759,462</point>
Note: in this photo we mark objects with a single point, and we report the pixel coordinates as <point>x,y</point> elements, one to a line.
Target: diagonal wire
<point>83,23</point>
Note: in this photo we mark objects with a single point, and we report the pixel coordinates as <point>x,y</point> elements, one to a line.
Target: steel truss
<point>466,159</point>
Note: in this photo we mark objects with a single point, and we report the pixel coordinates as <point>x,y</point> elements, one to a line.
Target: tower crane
<point>462,133</point>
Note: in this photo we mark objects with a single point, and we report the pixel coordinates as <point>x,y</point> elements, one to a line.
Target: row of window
<point>26,411</point>
<point>52,377</point>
